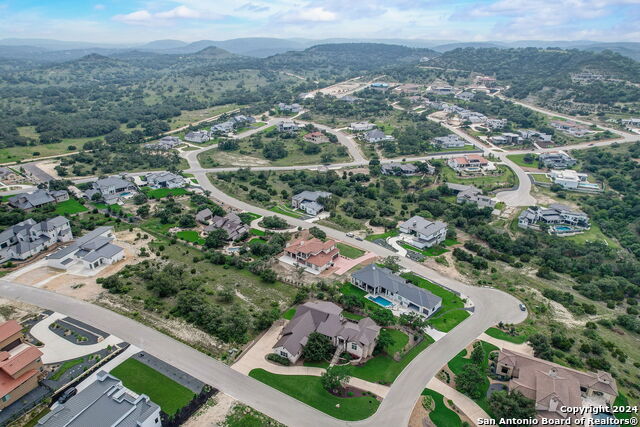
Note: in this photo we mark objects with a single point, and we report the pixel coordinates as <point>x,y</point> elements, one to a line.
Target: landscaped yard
<point>391,233</point>
<point>161,193</point>
<point>459,361</point>
<point>505,179</point>
<point>592,235</point>
<point>350,289</point>
<point>309,390</point>
<point>400,340</point>
<point>65,367</point>
<point>502,335</point>
<point>518,159</point>
<point>70,206</point>
<point>256,232</point>
<point>289,313</point>
<point>286,211</point>
<point>349,251</point>
<point>450,313</point>
<point>383,369</point>
<point>142,379</point>
<point>190,236</point>
<point>433,251</point>
<point>441,415</point>
<point>541,177</point>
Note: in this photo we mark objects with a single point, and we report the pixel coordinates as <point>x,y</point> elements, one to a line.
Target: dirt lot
<point>16,310</point>
<point>83,287</point>
<point>213,413</point>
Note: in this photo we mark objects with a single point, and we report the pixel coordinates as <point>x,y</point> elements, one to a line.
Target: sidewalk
<point>523,348</point>
<point>466,405</point>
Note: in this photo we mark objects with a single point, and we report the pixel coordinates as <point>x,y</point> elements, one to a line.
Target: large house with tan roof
<point>469,163</point>
<point>20,364</point>
<point>553,386</point>
<point>313,254</point>
<point>358,339</point>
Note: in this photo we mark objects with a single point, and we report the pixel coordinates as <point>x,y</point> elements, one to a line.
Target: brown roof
<point>313,135</point>
<point>8,329</point>
<point>468,157</point>
<point>311,246</point>
<point>13,364</point>
<point>322,258</point>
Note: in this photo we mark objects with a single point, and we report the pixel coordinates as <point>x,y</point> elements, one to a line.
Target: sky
<point>136,21</point>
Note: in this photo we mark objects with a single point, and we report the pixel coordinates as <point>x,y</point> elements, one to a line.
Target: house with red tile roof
<point>20,364</point>
<point>312,254</point>
<point>469,163</point>
<point>316,137</point>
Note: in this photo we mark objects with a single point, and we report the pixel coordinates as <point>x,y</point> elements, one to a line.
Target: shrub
<point>281,360</point>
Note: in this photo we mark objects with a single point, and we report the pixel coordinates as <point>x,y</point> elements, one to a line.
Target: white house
<point>361,126</point>
<point>27,238</point>
<point>308,201</point>
<point>425,233</point>
<point>92,250</point>
<point>568,178</point>
<point>165,180</point>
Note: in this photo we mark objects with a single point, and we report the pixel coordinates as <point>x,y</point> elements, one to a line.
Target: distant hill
<point>163,45</point>
<point>452,46</point>
<point>213,51</point>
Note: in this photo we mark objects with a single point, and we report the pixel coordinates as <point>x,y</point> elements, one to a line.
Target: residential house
<point>308,201</point>
<point>465,96</point>
<point>568,178</point>
<point>554,387</point>
<point>505,138</point>
<point>289,108</point>
<point>399,169</point>
<point>165,180</point>
<point>38,198</point>
<point>356,338</point>
<point>469,163</point>
<point>379,86</point>
<point>496,123</point>
<point>20,364</point>
<point>163,144</point>
<point>198,136</point>
<point>630,123</point>
<point>486,81</point>
<point>425,233</point>
<point>409,88</point>
<point>556,160</point>
<point>572,128</point>
<point>223,128</point>
<point>376,135</point>
<point>314,255</point>
<point>555,215</point>
<point>442,90</point>
<point>8,175</point>
<point>231,223</point>
<point>241,120</point>
<point>92,250</point>
<point>27,238</point>
<point>348,98</point>
<point>535,135</point>
<point>361,126</point>
<point>106,402</point>
<point>316,137</point>
<point>204,216</point>
<point>471,194</point>
<point>380,281</point>
<point>288,126</point>
<point>449,141</point>
<point>112,189</point>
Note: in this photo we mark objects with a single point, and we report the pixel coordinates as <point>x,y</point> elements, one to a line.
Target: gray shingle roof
<point>311,195</point>
<point>422,225</point>
<point>376,276</point>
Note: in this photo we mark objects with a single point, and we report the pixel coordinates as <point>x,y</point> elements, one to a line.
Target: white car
<point>349,234</point>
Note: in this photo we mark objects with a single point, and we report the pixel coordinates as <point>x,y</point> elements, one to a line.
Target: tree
<point>143,211</point>
<point>391,262</point>
<point>471,380</point>
<point>382,317</point>
<point>318,348</point>
<point>541,346</point>
<point>335,377</point>
<point>216,239</point>
<point>385,340</point>
<point>477,354</point>
<point>511,405</point>
<point>139,198</point>
<point>318,233</point>
<point>351,301</point>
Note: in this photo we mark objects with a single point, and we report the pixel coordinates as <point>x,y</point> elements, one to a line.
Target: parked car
<point>349,234</point>
<point>523,307</point>
<point>359,238</point>
<point>67,394</point>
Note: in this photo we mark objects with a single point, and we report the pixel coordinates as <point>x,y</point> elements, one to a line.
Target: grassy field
<point>142,379</point>
<point>459,361</point>
<point>518,159</point>
<point>188,117</point>
<point>434,251</point>
<point>190,236</point>
<point>256,232</point>
<point>349,251</point>
<point>161,193</point>
<point>505,179</point>
<point>19,153</point>
<point>384,369</point>
<point>400,340</point>
<point>450,314</point>
<point>441,415</point>
<point>592,235</point>
<point>391,233</point>
<point>309,390</point>
<point>71,206</point>
<point>289,313</point>
<point>286,211</point>
<point>502,335</point>
<point>541,177</point>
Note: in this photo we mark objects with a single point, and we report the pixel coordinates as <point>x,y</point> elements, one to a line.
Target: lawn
<point>434,251</point>
<point>593,234</point>
<point>400,340</point>
<point>352,316</point>
<point>71,206</point>
<point>459,361</point>
<point>289,313</point>
<point>256,232</point>
<point>621,400</point>
<point>350,289</point>
<point>502,335</point>
<point>441,415</point>
<point>391,233</point>
<point>309,390</point>
<point>65,367</point>
<point>286,211</point>
<point>190,236</point>
<point>161,193</point>
<point>451,242</point>
<point>450,313</point>
<point>518,159</point>
<point>349,251</point>
<point>541,177</point>
<point>506,179</point>
<point>142,379</point>
<point>18,153</point>
<point>252,216</point>
<point>384,369</point>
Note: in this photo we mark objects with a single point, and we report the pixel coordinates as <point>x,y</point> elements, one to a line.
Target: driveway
<point>57,349</point>
<point>462,401</point>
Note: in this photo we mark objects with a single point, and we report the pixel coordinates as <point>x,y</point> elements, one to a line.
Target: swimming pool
<point>381,301</point>
<point>604,416</point>
<point>562,228</point>
<point>589,185</point>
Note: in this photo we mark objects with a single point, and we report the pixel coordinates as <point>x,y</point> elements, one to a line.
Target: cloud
<point>144,17</point>
<point>99,7</point>
<point>252,7</point>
